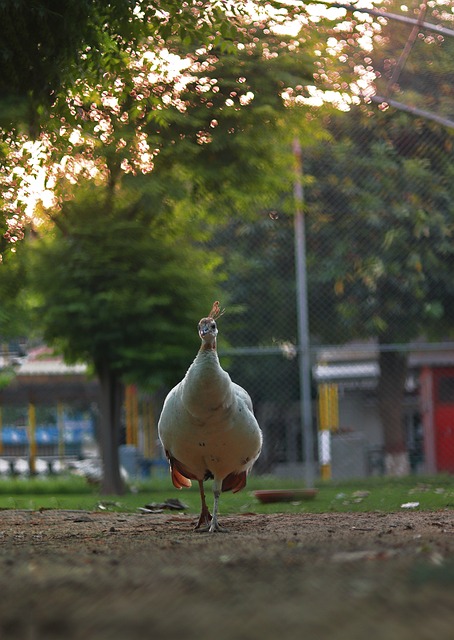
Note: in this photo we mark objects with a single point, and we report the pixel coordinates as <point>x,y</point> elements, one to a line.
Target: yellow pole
<point>32,437</point>
<point>132,415</point>
<point>334,407</point>
<point>61,432</point>
<point>328,413</point>
<point>324,435</point>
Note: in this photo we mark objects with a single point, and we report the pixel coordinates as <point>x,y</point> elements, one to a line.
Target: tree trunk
<point>391,390</point>
<point>110,422</point>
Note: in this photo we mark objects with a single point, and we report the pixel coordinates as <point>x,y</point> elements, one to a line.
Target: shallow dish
<point>285,495</point>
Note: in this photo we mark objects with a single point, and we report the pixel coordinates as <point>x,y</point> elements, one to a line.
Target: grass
<point>370,494</point>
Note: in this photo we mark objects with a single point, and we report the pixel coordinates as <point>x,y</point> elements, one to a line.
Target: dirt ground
<point>78,575</point>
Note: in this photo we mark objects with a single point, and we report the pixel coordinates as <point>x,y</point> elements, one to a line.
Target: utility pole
<point>304,358</point>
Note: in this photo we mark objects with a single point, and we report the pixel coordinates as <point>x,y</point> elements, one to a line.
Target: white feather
<point>207,426</point>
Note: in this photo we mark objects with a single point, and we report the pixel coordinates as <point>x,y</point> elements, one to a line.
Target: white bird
<point>207,427</point>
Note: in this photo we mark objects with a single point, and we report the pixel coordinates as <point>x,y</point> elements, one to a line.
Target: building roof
<point>358,363</point>
<point>43,361</point>
<point>50,368</point>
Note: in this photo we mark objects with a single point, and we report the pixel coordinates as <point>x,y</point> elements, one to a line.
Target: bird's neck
<point>207,359</point>
<point>206,384</point>
<point>208,346</point>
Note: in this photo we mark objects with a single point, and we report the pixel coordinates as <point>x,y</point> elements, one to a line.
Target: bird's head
<point>208,329</point>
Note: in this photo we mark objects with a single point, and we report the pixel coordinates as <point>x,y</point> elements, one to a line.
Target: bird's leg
<point>205,515</point>
<point>214,526</point>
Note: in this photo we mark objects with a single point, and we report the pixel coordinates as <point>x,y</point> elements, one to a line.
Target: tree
<point>96,68</point>
<point>379,238</point>
<point>47,53</point>
<point>122,287</point>
<point>192,174</point>
<point>46,47</point>
<point>387,192</point>
<point>205,136</point>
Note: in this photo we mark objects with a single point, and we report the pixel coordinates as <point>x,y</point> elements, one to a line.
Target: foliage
<point>39,43</point>
<point>387,190</point>
<point>415,68</point>
<point>210,120</point>
<point>259,260</point>
<point>129,85</point>
<point>361,55</point>
<point>122,283</point>
<point>45,49</point>
<point>15,312</point>
<point>239,130</point>
<point>123,279</point>
<point>391,206</point>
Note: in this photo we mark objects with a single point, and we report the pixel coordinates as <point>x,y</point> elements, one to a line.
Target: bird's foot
<point>216,528</point>
<point>212,527</point>
<point>207,522</point>
<point>204,521</point>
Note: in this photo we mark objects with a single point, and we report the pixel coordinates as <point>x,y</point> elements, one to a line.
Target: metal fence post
<point>303,322</point>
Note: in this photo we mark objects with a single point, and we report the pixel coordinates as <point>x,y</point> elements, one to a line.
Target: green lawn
<point>372,494</point>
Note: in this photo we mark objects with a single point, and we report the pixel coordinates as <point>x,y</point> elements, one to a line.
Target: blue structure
<point>50,440</point>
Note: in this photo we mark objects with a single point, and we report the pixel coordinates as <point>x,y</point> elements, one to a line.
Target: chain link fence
<point>379,222</point>
<point>379,209</point>
<point>379,213</point>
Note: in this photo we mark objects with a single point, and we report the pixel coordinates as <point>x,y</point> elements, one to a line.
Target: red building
<point>437,413</point>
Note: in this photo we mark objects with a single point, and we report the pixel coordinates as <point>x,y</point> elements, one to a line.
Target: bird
<point>207,427</point>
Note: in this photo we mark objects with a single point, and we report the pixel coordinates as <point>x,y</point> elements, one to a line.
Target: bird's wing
<point>234,482</point>
<point>181,477</point>
<point>242,395</point>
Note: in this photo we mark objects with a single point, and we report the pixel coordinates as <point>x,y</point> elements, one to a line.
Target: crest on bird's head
<point>216,311</point>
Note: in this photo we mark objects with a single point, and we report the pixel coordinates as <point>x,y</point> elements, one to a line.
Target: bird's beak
<point>207,330</point>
